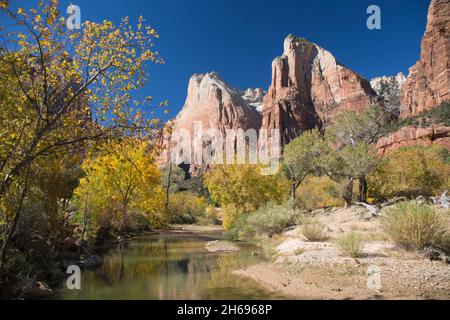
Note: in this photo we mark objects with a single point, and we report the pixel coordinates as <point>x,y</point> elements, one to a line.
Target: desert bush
<point>186,207</point>
<point>270,219</point>
<point>351,244</point>
<point>319,192</point>
<point>273,218</point>
<point>412,171</point>
<point>416,225</point>
<point>314,231</point>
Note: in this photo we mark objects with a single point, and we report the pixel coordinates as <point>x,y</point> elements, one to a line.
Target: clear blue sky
<point>240,38</point>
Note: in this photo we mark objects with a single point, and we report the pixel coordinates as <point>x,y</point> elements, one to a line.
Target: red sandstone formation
<point>411,136</point>
<point>309,87</point>
<point>428,83</point>
<point>216,105</point>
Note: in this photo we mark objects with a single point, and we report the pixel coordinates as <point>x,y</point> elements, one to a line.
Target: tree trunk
<point>85,221</point>
<point>169,178</point>
<point>125,218</point>
<point>362,189</point>
<point>293,196</point>
<point>12,231</point>
<point>347,193</point>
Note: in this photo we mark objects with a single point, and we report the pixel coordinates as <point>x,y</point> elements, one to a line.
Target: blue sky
<point>240,38</point>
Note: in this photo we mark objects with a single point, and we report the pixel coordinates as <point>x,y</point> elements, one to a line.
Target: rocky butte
<point>216,105</point>
<point>389,89</point>
<point>309,88</point>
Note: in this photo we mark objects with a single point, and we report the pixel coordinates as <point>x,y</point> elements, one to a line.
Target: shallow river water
<point>171,265</point>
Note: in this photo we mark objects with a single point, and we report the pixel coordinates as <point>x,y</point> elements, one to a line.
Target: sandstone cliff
<point>217,105</point>
<point>412,136</point>
<point>428,83</point>
<point>309,87</point>
<point>213,104</point>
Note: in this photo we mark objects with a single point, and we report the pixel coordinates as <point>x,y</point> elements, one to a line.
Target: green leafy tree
<point>350,154</point>
<point>301,158</point>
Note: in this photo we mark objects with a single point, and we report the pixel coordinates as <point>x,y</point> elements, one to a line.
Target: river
<point>170,265</point>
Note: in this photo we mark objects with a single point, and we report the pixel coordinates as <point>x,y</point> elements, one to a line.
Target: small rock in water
<point>93,262</point>
<point>221,246</point>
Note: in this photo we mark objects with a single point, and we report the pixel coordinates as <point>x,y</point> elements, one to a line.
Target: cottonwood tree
<point>351,154</point>
<point>171,177</point>
<point>122,182</point>
<point>61,90</point>
<point>242,188</point>
<point>301,158</point>
<point>349,163</point>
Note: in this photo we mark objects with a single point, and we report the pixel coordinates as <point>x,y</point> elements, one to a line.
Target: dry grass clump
<point>415,225</point>
<point>351,244</point>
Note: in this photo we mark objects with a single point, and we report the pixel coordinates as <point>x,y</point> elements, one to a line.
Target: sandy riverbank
<point>318,270</point>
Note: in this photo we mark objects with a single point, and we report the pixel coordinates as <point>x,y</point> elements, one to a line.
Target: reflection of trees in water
<point>223,284</point>
<point>129,263</point>
<point>169,269</point>
<point>187,268</point>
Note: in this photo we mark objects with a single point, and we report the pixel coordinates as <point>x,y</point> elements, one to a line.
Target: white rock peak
<point>398,79</point>
<point>219,105</point>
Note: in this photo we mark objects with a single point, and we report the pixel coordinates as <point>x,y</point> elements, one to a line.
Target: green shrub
<point>268,220</point>
<point>239,228</point>
<point>416,225</point>
<point>186,207</point>
<point>18,264</point>
<point>439,114</point>
<point>351,244</point>
<point>314,231</point>
<point>269,250</point>
<point>319,192</point>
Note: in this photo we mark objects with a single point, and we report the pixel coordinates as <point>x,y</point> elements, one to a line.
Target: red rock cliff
<point>428,83</point>
<point>309,87</point>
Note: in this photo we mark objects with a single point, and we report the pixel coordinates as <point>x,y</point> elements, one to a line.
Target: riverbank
<point>318,270</point>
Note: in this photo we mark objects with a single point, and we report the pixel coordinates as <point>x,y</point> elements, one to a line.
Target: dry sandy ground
<point>318,270</point>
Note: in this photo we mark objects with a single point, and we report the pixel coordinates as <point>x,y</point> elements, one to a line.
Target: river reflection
<point>169,266</point>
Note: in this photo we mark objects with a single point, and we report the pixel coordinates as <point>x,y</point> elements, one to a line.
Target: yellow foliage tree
<point>412,171</point>
<point>120,185</point>
<point>53,82</point>
<point>241,188</point>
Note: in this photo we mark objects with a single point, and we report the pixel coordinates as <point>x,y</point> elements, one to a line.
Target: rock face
<point>213,104</point>
<point>388,83</point>
<point>217,105</point>
<point>389,89</point>
<point>428,83</point>
<point>254,97</point>
<point>309,87</point>
<point>411,136</point>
